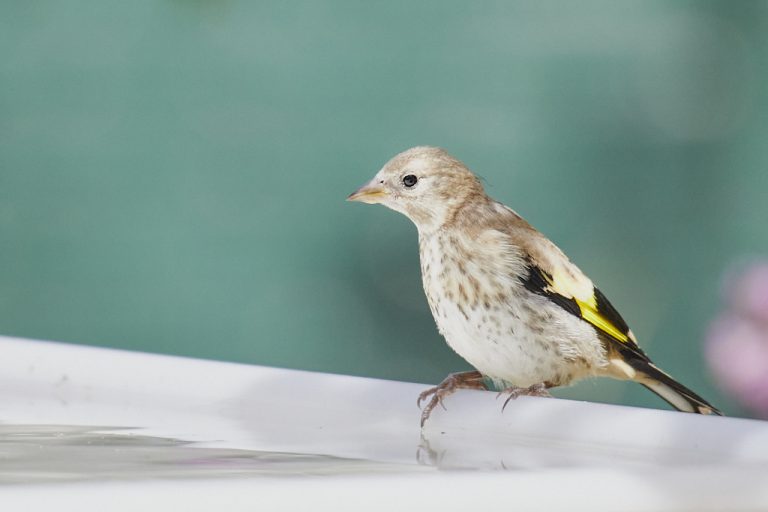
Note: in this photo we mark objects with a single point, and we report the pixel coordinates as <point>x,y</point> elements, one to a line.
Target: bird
<point>506,298</point>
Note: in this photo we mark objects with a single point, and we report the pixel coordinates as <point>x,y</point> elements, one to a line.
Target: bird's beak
<point>371,193</point>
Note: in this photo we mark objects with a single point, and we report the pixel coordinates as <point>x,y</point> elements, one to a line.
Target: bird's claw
<point>424,394</point>
<point>437,393</point>
<point>514,392</point>
<point>454,381</point>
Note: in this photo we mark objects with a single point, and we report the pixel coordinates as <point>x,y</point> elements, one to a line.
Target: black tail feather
<point>677,395</point>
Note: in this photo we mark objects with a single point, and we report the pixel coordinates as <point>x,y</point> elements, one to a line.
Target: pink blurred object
<point>737,341</point>
<point>749,293</point>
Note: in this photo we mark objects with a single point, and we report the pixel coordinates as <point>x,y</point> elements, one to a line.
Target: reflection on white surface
<point>60,453</point>
<point>78,422</point>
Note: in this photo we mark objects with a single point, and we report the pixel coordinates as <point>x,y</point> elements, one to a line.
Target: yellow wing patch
<point>577,287</point>
<point>590,313</point>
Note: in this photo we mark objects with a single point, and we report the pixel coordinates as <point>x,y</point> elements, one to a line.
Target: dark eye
<point>410,180</point>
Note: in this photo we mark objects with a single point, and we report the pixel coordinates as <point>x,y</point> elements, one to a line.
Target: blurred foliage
<point>173,173</point>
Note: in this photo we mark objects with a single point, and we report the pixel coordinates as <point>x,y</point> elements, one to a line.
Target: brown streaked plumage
<point>504,296</point>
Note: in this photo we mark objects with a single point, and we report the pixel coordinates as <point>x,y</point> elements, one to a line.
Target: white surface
<point>94,428</point>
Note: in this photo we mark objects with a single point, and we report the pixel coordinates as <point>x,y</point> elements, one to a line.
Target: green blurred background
<point>173,173</point>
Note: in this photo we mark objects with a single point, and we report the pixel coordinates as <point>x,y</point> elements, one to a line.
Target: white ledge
<point>347,429</point>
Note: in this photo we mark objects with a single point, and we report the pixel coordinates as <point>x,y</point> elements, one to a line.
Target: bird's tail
<point>678,396</point>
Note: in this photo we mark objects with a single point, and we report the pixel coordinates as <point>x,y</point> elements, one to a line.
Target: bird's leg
<point>539,389</point>
<point>454,381</point>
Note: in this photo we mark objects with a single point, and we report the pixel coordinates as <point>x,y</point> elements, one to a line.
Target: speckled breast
<point>487,316</point>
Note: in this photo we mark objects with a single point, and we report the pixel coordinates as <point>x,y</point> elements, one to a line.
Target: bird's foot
<point>453,382</point>
<point>539,389</point>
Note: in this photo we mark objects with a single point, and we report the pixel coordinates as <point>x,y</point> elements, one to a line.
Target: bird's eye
<point>410,180</point>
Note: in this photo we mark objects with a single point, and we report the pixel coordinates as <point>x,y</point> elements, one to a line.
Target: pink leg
<point>539,389</point>
<point>453,382</point>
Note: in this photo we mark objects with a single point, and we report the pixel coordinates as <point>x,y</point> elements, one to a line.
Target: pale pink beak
<point>371,193</point>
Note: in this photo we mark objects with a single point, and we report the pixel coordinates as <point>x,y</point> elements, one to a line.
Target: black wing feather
<point>607,310</point>
<point>539,281</point>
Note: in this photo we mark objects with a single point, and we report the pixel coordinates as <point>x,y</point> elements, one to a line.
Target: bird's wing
<point>548,272</point>
<point>574,292</point>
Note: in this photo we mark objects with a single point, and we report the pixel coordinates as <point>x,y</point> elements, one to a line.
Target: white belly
<point>506,332</point>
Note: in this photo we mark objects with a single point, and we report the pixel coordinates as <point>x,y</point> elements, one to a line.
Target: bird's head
<point>424,183</point>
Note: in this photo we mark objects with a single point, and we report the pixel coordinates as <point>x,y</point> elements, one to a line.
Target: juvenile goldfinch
<point>504,296</point>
